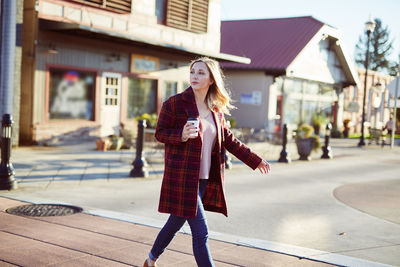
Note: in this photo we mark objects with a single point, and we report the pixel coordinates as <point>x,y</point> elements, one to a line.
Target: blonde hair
<point>218,97</point>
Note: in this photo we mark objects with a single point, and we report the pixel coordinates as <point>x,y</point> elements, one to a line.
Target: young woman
<point>195,158</point>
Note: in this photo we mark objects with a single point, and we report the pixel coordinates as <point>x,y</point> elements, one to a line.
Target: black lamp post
<point>7,172</point>
<point>284,156</point>
<point>140,164</point>
<point>369,26</point>
<point>327,150</point>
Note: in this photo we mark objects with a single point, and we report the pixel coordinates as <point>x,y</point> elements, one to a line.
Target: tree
<point>380,48</point>
<point>394,68</point>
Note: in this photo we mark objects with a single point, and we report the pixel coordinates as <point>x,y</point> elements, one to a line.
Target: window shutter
<point>119,6</point>
<point>191,15</point>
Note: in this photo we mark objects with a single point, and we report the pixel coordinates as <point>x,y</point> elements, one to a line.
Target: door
<point>110,103</point>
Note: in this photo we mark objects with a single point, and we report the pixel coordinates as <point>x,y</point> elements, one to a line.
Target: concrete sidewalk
<point>86,240</point>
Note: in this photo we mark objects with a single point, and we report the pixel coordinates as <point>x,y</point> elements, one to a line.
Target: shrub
<point>307,131</point>
<point>304,131</point>
<point>318,120</point>
<point>232,122</point>
<point>151,119</point>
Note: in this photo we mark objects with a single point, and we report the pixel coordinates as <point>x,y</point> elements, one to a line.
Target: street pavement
<point>342,211</point>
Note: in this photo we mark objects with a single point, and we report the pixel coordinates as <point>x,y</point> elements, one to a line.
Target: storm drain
<point>44,210</point>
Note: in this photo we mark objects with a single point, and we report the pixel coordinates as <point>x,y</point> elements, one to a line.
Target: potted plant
<point>116,142</point>
<point>151,120</point>
<point>318,120</point>
<point>306,141</point>
<point>151,124</point>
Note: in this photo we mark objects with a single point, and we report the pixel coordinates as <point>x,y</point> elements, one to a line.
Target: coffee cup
<point>195,122</point>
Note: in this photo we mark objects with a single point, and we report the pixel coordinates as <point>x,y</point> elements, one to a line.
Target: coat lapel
<point>191,108</point>
<point>192,112</point>
<point>218,126</point>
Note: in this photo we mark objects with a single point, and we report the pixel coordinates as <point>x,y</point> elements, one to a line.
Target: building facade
<point>91,65</point>
<point>377,110</point>
<point>299,69</point>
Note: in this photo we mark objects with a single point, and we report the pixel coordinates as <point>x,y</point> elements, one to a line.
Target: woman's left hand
<point>264,167</point>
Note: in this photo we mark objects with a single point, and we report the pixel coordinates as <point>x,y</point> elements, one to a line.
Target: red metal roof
<point>271,44</point>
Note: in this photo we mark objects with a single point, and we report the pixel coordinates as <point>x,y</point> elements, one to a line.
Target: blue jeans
<point>198,227</point>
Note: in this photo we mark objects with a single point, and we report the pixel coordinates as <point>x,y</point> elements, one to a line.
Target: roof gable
<point>271,44</point>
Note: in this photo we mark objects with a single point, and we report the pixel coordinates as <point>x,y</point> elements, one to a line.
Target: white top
<point>209,132</point>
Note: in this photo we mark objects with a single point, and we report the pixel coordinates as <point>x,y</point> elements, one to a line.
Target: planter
<point>116,143</point>
<point>103,144</point>
<point>304,147</point>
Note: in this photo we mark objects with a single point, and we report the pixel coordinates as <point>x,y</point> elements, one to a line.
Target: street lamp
<point>369,26</point>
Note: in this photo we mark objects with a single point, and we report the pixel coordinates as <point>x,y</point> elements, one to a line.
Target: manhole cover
<point>43,210</point>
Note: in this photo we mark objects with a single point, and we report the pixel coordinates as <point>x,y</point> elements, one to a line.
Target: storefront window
<point>293,86</point>
<point>309,109</point>
<point>170,89</point>
<point>311,88</point>
<point>325,108</point>
<point>292,111</point>
<point>71,94</point>
<point>142,96</point>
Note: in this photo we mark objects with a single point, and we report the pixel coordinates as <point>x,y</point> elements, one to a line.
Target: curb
<point>291,250</point>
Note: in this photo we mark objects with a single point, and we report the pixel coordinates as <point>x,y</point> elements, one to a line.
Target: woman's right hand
<point>189,129</point>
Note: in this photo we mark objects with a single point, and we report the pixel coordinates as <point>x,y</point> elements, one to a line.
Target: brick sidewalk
<point>87,240</point>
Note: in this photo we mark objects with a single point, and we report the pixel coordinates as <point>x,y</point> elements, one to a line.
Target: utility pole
<point>8,37</point>
<point>7,57</point>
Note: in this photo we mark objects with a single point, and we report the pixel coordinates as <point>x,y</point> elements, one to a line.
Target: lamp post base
<point>8,184</point>
<point>139,173</point>
<point>284,157</point>
<point>7,180</point>
<point>139,168</point>
<point>327,153</point>
<point>361,143</point>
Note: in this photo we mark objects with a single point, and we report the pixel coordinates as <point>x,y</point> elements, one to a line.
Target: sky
<point>349,16</point>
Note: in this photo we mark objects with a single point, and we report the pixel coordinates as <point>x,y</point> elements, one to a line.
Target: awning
<point>83,30</point>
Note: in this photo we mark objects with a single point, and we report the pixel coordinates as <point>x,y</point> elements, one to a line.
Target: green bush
<point>151,119</point>
<point>304,131</point>
<point>307,131</point>
<point>318,120</point>
<point>232,122</point>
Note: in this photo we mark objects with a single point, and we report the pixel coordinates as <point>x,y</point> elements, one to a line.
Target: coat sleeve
<point>166,131</point>
<point>240,150</point>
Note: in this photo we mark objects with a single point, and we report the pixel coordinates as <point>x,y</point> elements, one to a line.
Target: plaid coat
<point>180,184</point>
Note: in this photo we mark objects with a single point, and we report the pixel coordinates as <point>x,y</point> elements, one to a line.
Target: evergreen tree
<point>394,68</point>
<point>380,48</point>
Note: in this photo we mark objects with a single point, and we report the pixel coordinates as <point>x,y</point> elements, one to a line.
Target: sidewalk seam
<point>64,247</point>
<point>1,260</point>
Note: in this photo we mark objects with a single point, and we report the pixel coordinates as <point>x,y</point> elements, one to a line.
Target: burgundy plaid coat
<point>180,184</point>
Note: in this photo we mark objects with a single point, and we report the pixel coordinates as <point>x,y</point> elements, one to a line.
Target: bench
<point>376,135</point>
